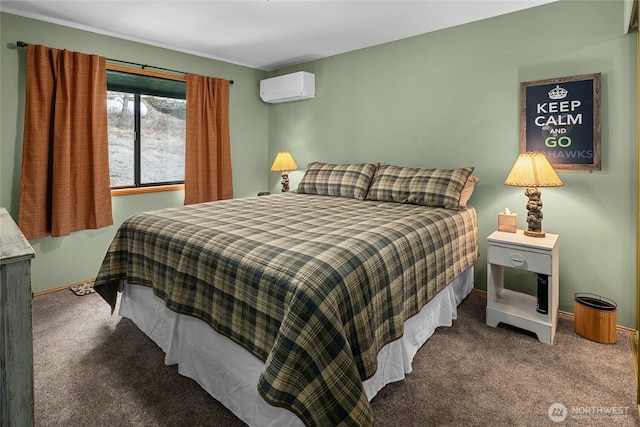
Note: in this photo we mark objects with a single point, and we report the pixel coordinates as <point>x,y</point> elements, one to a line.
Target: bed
<point>296,308</point>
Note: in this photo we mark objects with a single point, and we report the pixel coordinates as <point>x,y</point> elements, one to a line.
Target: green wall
<point>63,260</point>
<point>447,99</point>
<point>451,98</point>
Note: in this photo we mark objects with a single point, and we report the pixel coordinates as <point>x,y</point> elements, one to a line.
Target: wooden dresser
<point>16,338</point>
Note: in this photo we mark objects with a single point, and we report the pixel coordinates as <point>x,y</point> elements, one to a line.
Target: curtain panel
<point>207,174</point>
<point>65,183</point>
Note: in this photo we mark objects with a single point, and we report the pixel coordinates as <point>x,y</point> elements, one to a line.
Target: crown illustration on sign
<point>558,92</point>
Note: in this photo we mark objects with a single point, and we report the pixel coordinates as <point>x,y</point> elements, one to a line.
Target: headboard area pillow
<point>438,187</point>
<point>391,184</point>
<point>343,180</point>
<point>467,191</point>
<point>419,186</point>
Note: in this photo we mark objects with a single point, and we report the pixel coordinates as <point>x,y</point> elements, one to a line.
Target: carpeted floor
<point>94,369</point>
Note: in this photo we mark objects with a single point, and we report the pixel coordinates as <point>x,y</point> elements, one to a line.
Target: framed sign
<point>561,118</point>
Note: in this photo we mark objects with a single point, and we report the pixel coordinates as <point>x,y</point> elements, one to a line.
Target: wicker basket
<point>595,318</point>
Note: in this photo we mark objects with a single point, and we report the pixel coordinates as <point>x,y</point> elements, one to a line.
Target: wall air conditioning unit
<point>290,87</point>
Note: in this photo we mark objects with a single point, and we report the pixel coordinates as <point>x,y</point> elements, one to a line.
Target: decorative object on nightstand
<point>284,164</point>
<point>507,221</point>
<point>533,170</point>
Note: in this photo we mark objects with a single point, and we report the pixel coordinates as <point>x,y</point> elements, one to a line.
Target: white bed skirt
<point>230,374</point>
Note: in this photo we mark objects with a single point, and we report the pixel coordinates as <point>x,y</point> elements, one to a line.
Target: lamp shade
<point>533,170</point>
<point>284,162</point>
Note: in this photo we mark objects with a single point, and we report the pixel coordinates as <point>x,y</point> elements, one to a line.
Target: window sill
<point>142,190</point>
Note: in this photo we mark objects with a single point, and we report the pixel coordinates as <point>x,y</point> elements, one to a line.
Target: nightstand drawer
<point>517,258</point>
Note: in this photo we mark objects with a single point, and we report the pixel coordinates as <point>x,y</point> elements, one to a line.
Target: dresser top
<point>13,245</point>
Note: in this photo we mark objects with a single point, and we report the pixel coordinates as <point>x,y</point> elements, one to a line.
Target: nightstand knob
<point>517,260</point>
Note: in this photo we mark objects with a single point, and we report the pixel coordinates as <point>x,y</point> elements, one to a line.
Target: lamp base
<point>534,233</point>
<point>534,212</point>
<point>285,182</point>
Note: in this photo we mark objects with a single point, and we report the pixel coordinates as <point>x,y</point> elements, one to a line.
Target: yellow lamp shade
<point>284,162</point>
<point>533,170</point>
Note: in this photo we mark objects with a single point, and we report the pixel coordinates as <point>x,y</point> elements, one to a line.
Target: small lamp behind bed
<point>284,164</point>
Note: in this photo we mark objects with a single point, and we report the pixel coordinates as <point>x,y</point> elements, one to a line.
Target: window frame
<point>152,188</point>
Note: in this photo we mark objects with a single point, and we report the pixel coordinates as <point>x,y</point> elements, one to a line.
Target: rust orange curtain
<point>65,184</point>
<point>207,170</point>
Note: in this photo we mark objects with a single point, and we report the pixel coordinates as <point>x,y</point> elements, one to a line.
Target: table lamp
<point>284,164</point>
<point>533,170</point>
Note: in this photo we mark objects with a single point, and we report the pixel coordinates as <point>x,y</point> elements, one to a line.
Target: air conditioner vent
<point>289,87</point>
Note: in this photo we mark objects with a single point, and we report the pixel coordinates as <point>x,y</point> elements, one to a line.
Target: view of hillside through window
<point>162,139</point>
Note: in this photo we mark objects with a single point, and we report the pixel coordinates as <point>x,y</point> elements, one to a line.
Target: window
<point>146,120</point>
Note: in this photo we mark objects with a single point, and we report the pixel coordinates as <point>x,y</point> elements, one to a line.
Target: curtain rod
<point>143,66</point>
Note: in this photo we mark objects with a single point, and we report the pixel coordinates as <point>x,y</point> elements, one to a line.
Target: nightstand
<point>537,254</point>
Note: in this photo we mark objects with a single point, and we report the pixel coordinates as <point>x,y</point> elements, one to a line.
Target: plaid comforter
<point>312,285</point>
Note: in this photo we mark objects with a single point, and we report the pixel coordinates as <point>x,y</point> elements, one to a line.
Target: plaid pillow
<point>438,187</point>
<point>419,186</point>
<point>347,180</point>
<point>391,184</point>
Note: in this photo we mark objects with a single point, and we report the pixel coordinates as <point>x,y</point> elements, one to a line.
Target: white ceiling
<point>263,34</point>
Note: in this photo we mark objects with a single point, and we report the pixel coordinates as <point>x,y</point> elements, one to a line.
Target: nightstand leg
<point>492,318</point>
<point>495,284</point>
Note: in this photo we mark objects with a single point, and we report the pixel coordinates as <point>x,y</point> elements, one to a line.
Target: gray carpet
<point>93,369</point>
